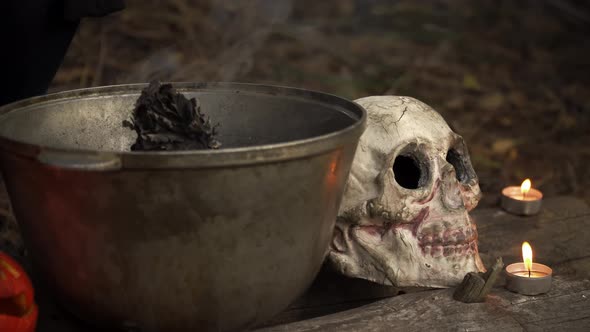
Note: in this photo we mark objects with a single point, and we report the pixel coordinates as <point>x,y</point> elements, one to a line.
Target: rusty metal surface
<point>211,240</point>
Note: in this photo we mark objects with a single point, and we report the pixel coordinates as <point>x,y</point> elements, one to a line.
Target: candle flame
<point>525,187</point>
<point>527,256</point>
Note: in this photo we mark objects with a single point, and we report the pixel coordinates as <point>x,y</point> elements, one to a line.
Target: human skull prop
<point>404,218</point>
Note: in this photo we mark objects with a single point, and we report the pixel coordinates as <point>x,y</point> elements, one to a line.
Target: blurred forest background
<point>512,77</point>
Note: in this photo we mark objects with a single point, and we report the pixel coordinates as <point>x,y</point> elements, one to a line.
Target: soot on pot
<point>166,120</point>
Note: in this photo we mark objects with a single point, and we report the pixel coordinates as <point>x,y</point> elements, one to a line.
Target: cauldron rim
<point>247,155</point>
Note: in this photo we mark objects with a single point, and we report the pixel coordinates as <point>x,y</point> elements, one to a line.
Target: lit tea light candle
<point>523,200</point>
<point>528,278</point>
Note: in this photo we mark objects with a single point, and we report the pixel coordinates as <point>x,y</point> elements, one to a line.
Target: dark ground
<point>512,77</point>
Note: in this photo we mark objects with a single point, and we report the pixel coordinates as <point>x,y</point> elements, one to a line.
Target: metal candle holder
<point>518,280</point>
<point>515,202</point>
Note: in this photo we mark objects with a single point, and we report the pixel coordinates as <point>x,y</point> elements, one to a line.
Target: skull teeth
<point>446,237</point>
<point>448,242</point>
<point>450,250</point>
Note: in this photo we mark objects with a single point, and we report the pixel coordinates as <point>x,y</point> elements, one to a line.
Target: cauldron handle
<point>80,161</point>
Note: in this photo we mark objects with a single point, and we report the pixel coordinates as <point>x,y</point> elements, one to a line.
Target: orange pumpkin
<point>18,311</point>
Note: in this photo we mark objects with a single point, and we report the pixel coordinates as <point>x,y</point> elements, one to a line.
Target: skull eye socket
<point>410,171</point>
<point>463,169</point>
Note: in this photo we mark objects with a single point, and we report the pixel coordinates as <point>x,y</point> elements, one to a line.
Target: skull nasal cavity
<point>407,172</point>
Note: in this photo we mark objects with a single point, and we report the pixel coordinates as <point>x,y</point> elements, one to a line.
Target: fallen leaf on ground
<point>470,82</point>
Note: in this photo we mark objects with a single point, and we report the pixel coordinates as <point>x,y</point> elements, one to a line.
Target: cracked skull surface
<point>404,218</point>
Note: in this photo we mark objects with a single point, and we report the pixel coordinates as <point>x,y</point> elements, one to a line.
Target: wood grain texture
<point>559,236</point>
<point>565,308</point>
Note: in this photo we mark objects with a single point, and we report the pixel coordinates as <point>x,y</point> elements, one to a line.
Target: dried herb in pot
<point>166,120</point>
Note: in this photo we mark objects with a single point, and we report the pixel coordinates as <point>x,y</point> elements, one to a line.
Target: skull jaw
<point>397,259</point>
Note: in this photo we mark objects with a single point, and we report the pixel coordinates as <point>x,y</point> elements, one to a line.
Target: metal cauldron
<point>205,240</point>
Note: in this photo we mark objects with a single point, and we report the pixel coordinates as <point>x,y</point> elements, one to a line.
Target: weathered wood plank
<point>565,307</point>
<point>558,234</point>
